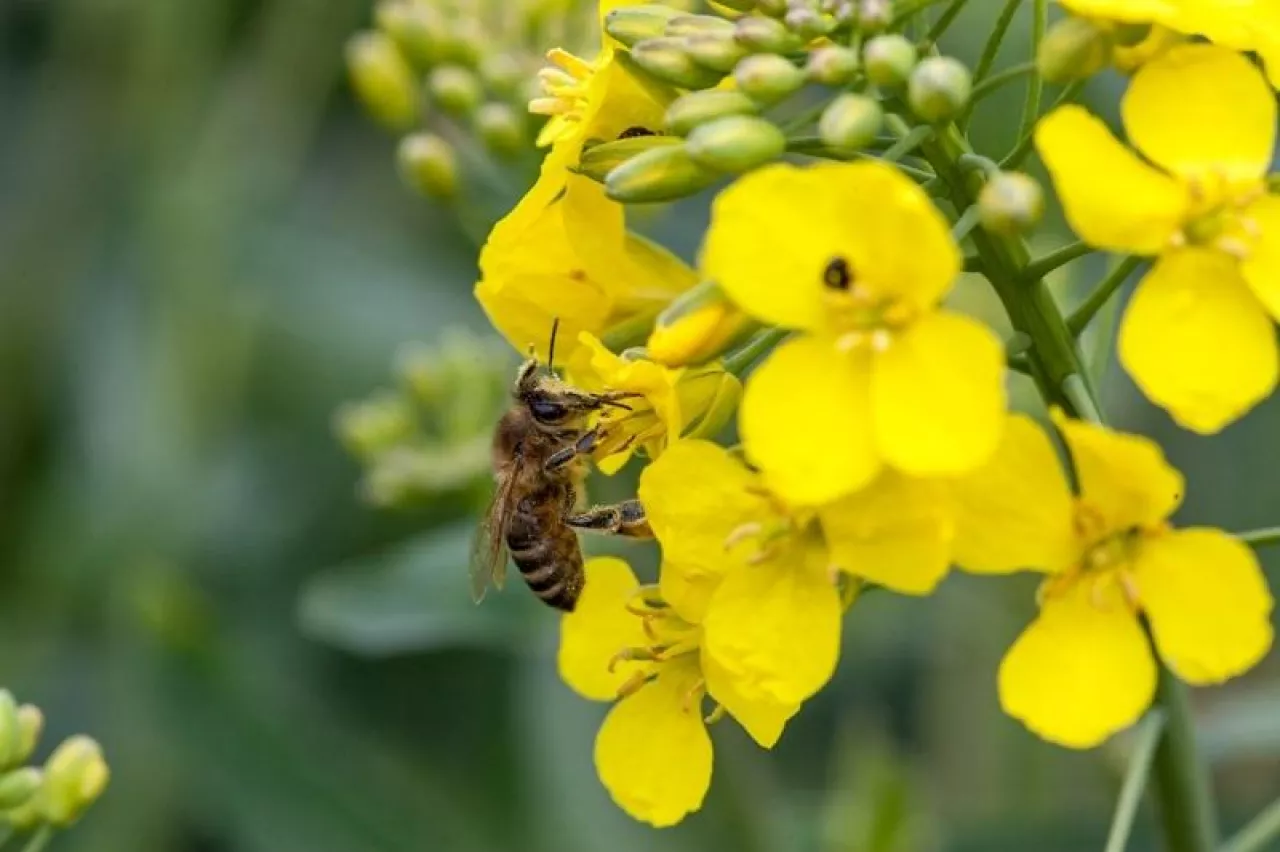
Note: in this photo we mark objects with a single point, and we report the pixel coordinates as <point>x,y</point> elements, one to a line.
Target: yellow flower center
<point>859,319</point>
<point>1218,217</point>
<point>1106,560</point>
<point>671,637</point>
<point>564,86</point>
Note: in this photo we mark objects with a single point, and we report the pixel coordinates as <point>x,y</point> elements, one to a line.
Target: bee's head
<point>541,391</point>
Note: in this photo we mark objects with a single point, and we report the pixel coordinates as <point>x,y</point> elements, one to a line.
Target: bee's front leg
<point>626,519</point>
<point>581,447</point>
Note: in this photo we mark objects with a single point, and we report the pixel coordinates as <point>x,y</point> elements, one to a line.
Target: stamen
<point>1129,585</point>
<point>715,715</point>
<point>633,684</point>
<point>632,655</point>
<point>1234,247</point>
<point>694,694</point>
<point>555,81</point>
<point>578,67</point>
<point>881,339</point>
<point>850,341</point>
<point>742,533</point>
<point>679,648</point>
<point>550,106</point>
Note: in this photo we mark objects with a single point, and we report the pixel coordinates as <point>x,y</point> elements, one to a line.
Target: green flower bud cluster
<point>55,795</point>
<point>430,433</point>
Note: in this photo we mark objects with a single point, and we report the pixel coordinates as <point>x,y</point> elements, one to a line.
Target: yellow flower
<point>762,577</point>
<point>1197,337</point>
<point>857,258</point>
<point>670,402</point>
<point>653,753</point>
<point>695,336</point>
<point>1084,669</point>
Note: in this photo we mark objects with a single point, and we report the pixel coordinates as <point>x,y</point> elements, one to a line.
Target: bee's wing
<point>489,547</point>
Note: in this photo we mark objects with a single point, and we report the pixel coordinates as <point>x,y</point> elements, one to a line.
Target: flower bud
<point>665,59</point>
<point>736,143</point>
<point>501,73</point>
<point>18,787</point>
<point>10,731</point>
<point>660,174</point>
<point>851,122</point>
<point>598,160</point>
<point>772,8</point>
<point>370,427</point>
<point>697,327</point>
<point>30,726</point>
<point>687,25</point>
<point>74,777</point>
<point>456,89</point>
<point>765,35</point>
<point>1072,49</point>
<point>717,51</point>
<point>888,60</point>
<point>688,111</point>
<point>465,42</point>
<point>501,128</point>
<point>712,391</point>
<point>417,30</point>
<point>939,88</point>
<point>428,164</point>
<point>1010,203</point>
<point>874,16</point>
<point>808,23</point>
<point>383,80</point>
<point>833,65</point>
<point>767,77</point>
<point>630,24</point>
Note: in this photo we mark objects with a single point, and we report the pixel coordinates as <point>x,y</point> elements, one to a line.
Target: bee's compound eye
<point>837,275</point>
<point>546,411</point>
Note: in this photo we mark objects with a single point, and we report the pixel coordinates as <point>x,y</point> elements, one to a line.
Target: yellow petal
<point>774,233</point>
<point>938,396</point>
<point>775,629</point>
<point>1203,112</point>
<point>1129,11</point>
<point>763,720</point>
<point>617,102</point>
<point>598,628</point>
<point>805,421</point>
<point>693,523</point>
<point>653,752</point>
<point>896,532</point>
<point>1207,601</point>
<point>1197,341</point>
<point>1124,478</point>
<point>688,588</point>
<point>1261,268</point>
<point>1112,199</point>
<point>1016,511</point>
<point>1082,671</point>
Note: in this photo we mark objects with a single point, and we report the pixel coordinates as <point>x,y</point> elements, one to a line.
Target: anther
<point>742,533</point>
<point>693,695</point>
<point>1236,248</point>
<point>631,655</point>
<point>633,684</point>
<point>837,274</point>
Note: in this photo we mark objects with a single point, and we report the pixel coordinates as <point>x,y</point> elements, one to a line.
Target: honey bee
<point>540,449</point>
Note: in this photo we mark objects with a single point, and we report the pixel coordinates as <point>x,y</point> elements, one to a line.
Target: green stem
<point>965,224</point>
<point>1260,538</point>
<point>1031,107</point>
<point>1259,834</point>
<point>1080,317</point>
<point>992,48</point>
<point>1182,787</point>
<point>1026,139</point>
<point>39,840</point>
<point>944,21</point>
<point>906,144</point>
<point>1135,781</point>
<point>740,360</point>
<point>995,81</point>
<point>903,16</point>
<point>1042,266</point>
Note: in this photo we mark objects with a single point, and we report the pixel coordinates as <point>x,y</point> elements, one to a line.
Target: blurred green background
<point>205,252</point>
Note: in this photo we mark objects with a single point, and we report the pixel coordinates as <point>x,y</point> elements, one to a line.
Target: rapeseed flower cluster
<point>874,446</point>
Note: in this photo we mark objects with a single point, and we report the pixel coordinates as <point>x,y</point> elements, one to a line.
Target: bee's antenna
<point>551,350</point>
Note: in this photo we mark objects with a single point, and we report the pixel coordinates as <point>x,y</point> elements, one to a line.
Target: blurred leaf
<point>414,598</point>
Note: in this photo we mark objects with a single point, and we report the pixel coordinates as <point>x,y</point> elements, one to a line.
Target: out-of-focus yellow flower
<point>857,258</point>
<point>670,402</point>
<point>653,753</point>
<point>1197,337</point>
<point>1083,669</point>
<point>762,577</point>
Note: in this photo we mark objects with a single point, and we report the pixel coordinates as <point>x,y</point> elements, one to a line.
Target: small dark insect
<point>633,132</point>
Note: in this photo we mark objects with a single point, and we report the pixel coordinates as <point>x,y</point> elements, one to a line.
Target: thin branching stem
<point>1187,809</point>
<point>1026,139</point>
<point>966,223</point>
<point>996,80</point>
<point>1261,537</point>
<point>1081,316</point>
<point>1135,780</point>
<point>740,360</point>
<point>992,48</point>
<point>903,16</point>
<point>1260,834</point>
<point>906,144</point>
<point>944,21</point>
<point>1031,107</point>
<point>1042,266</point>
<point>39,840</point>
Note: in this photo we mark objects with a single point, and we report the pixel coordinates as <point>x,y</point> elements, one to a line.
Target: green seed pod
<point>736,143</point>
<point>688,111</point>
<point>833,65</point>
<point>666,59</point>
<point>630,24</point>
<point>1073,49</point>
<point>1010,203</point>
<point>18,787</point>
<point>939,88</point>
<point>383,80</point>
<point>419,31</point>
<point>888,60</point>
<point>874,16</point>
<point>851,122</point>
<point>501,74</point>
<point>501,128</point>
<point>765,35</point>
<point>808,23</point>
<point>597,161</point>
<point>660,174</point>
<point>74,777</point>
<point>716,51</point>
<point>687,25</point>
<point>456,89</point>
<point>428,164</point>
<point>767,77</point>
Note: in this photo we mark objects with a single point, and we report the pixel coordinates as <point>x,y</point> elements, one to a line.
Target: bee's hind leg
<point>626,519</point>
